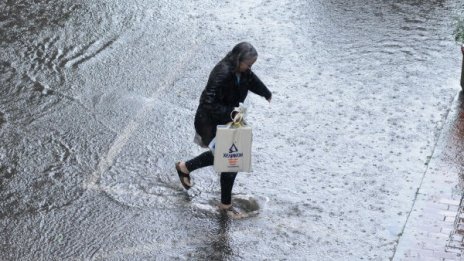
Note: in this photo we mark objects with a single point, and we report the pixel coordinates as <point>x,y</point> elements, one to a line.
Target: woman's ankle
<point>224,206</point>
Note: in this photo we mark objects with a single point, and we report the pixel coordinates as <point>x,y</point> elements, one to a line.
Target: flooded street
<point>97,103</point>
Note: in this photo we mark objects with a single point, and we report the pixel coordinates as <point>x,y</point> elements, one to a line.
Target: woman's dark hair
<point>241,52</point>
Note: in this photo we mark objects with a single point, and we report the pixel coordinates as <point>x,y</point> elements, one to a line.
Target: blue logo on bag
<point>233,152</point>
<point>233,148</point>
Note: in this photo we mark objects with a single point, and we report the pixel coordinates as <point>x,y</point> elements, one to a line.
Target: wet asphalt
<point>97,102</point>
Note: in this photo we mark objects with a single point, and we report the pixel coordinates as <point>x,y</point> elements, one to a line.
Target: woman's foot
<point>224,206</point>
<point>231,211</point>
<point>183,167</point>
<point>183,175</point>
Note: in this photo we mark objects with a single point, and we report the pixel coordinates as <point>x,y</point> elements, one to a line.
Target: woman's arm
<point>258,87</point>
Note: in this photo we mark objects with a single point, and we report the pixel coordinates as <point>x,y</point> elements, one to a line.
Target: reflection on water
<point>23,18</point>
<point>220,240</point>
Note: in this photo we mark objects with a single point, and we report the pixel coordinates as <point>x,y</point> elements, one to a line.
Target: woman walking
<point>228,85</point>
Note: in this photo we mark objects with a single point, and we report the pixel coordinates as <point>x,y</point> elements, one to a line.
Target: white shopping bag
<point>232,150</point>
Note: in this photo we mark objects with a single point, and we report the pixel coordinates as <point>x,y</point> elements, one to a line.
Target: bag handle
<point>238,120</point>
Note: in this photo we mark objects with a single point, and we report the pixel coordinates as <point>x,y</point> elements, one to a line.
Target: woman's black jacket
<point>222,93</point>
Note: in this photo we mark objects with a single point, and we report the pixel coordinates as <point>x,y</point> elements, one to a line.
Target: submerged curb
<point>462,68</point>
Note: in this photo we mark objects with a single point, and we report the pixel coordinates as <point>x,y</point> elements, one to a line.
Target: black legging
<point>227,178</point>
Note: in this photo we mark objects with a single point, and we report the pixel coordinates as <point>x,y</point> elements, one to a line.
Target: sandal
<point>183,176</point>
<point>234,213</point>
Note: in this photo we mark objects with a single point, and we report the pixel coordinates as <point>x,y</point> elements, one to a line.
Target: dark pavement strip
<point>434,229</point>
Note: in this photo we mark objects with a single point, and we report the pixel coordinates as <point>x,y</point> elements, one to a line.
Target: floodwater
<point>97,101</point>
